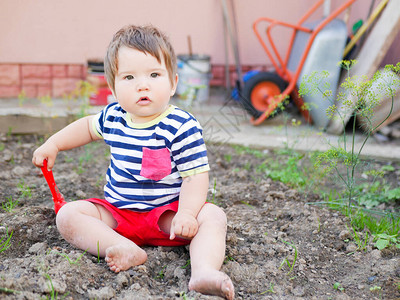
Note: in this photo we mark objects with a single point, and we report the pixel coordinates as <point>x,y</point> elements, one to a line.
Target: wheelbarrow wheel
<point>258,88</point>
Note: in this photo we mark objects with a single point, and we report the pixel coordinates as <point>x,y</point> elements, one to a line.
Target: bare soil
<point>278,247</point>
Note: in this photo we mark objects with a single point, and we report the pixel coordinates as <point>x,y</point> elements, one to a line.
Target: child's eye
<point>154,75</point>
<point>128,77</point>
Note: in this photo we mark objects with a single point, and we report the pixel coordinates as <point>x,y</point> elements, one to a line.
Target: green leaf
<point>381,244</point>
<point>393,194</point>
<point>388,168</point>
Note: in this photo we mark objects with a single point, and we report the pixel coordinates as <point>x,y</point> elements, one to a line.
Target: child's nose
<point>142,84</point>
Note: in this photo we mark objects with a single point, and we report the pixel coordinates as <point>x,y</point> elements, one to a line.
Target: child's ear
<point>175,85</point>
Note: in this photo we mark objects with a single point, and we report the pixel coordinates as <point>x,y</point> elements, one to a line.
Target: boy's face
<point>142,85</point>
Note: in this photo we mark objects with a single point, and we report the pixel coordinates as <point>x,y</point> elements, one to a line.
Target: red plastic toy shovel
<point>57,197</point>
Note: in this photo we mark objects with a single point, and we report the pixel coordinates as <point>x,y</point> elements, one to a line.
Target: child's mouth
<point>143,101</point>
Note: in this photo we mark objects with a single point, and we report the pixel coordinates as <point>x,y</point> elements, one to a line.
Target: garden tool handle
<point>48,175</point>
<point>58,198</point>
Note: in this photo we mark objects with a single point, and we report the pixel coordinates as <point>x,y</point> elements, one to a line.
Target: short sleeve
<point>189,150</point>
<point>96,124</point>
<point>99,119</point>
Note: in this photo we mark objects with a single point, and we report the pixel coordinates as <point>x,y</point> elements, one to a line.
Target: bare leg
<point>207,253</point>
<point>89,226</point>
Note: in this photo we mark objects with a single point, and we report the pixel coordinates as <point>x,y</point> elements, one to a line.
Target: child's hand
<point>47,151</point>
<point>184,225</point>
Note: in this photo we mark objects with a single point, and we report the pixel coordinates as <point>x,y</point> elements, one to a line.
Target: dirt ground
<point>278,247</point>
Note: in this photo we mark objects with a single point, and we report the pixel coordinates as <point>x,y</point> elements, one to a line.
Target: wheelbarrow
<point>263,92</point>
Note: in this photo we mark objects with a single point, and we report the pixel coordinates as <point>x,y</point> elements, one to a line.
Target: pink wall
<point>72,31</point>
<point>64,34</point>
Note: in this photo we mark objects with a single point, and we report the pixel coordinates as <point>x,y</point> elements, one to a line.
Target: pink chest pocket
<point>156,163</point>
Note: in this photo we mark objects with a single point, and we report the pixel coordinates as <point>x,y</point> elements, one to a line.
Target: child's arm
<point>76,134</point>
<point>192,197</point>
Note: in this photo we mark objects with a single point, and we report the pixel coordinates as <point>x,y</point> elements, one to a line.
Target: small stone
<point>298,291</point>
<point>351,247</point>
<point>80,194</point>
<point>102,294</point>
<point>136,286</point>
<point>344,235</point>
<point>38,248</point>
<point>122,279</point>
<point>376,254</point>
<point>142,269</point>
<point>20,171</point>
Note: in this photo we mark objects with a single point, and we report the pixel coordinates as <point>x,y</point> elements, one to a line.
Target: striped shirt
<point>149,160</point>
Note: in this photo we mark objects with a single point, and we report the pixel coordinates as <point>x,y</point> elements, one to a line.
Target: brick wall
<point>218,74</point>
<point>38,80</point>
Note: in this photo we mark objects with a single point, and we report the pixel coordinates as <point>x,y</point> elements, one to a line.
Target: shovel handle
<point>48,175</point>
<point>57,197</point>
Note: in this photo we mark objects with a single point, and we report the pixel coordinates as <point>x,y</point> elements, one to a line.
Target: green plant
<point>286,260</point>
<point>243,149</point>
<point>248,204</point>
<point>228,259</point>
<point>53,292</point>
<point>186,265</point>
<point>10,204</point>
<point>46,100</point>
<point>289,173</point>
<point>8,291</point>
<point>98,251</point>
<point>384,240</point>
<point>161,273</point>
<point>24,189</point>
<point>270,290</point>
<point>359,98</point>
<point>21,98</point>
<point>214,191</point>
<point>359,240</point>
<point>184,296</point>
<point>337,286</point>
<point>86,157</point>
<point>228,158</point>
<point>5,241</point>
<point>80,95</point>
<point>70,261</point>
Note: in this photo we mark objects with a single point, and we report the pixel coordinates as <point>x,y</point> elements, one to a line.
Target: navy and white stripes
<point>149,160</point>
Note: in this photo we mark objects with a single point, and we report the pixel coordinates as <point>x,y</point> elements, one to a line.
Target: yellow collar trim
<point>150,123</point>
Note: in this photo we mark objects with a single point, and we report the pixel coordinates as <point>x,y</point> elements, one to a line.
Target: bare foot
<point>212,282</point>
<point>124,256</point>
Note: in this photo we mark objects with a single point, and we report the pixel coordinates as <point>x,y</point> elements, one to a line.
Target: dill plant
<point>358,97</point>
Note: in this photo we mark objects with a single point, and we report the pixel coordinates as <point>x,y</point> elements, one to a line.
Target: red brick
<point>59,71</point>
<point>43,91</point>
<point>37,81</point>
<point>36,71</point>
<point>9,91</point>
<point>246,68</point>
<point>233,78</point>
<point>218,71</point>
<point>63,86</point>
<point>217,82</point>
<point>30,91</point>
<point>9,75</point>
<point>75,71</point>
<point>84,70</point>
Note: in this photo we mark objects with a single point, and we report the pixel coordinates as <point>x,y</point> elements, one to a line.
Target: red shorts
<point>142,227</point>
